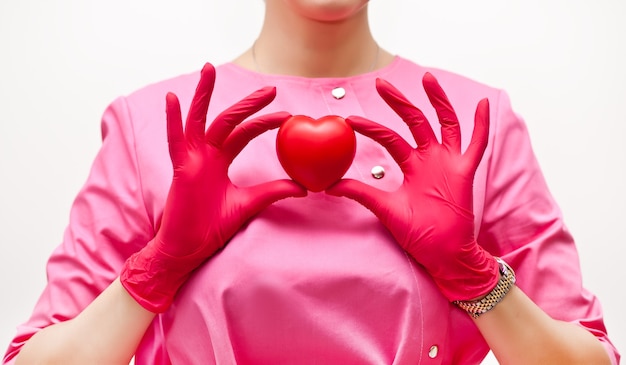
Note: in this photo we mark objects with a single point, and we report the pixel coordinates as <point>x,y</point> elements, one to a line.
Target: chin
<point>327,10</point>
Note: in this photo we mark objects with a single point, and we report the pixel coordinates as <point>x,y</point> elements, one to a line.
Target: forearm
<point>519,332</point>
<point>108,331</point>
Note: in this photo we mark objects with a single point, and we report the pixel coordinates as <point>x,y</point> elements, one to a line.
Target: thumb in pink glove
<point>203,209</point>
<point>430,215</point>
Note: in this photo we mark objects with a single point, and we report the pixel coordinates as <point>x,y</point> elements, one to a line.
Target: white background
<point>62,62</point>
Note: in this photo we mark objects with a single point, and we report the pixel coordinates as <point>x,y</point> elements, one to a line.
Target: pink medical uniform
<point>314,280</point>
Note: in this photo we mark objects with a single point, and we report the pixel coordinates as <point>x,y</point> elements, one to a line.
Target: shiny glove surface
<point>430,215</point>
<point>203,209</point>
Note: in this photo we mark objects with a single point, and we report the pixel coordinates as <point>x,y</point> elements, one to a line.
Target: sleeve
<point>108,222</point>
<point>523,224</point>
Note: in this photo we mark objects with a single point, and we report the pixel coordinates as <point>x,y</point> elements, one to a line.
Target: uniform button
<point>433,352</point>
<point>378,172</point>
<point>338,93</point>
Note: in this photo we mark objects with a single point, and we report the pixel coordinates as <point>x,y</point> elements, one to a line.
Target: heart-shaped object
<point>316,152</point>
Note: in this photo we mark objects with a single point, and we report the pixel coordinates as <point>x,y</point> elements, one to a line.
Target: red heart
<point>316,152</point>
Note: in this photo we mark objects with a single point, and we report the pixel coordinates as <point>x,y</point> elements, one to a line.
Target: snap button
<point>433,352</point>
<point>378,172</point>
<point>338,93</point>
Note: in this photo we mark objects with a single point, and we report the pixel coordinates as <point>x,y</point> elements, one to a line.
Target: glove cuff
<point>471,277</point>
<point>153,279</point>
<point>484,305</point>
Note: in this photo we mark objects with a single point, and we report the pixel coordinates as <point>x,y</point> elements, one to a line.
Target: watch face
<point>506,270</point>
<point>503,268</point>
<point>502,265</point>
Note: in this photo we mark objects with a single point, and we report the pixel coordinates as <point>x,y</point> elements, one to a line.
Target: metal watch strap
<point>484,305</point>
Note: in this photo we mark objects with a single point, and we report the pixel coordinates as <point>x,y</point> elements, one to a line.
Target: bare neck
<point>293,45</point>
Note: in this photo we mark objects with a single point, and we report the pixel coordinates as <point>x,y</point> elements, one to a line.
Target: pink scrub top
<point>315,280</point>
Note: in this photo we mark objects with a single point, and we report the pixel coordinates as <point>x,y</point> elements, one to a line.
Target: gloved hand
<point>203,209</point>
<point>430,215</point>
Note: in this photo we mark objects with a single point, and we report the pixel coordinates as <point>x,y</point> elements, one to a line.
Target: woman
<point>232,263</point>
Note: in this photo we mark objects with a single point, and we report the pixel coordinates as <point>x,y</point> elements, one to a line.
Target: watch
<point>477,307</point>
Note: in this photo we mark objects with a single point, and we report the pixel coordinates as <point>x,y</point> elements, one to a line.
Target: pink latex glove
<point>203,209</point>
<point>430,215</point>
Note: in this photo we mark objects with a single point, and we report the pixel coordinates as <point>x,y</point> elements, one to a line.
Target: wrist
<point>482,305</point>
<point>153,278</point>
<point>469,274</point>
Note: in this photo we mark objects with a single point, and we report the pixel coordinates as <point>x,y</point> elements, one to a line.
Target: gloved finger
<point>399,149</point>
<point>196,118</point>
<point>412,116</point>
<point>224,124</point>
<point>480,135</point>
<point>450,128</point>
<point>175,135</point>
<point>246,131</point>
<point>259,197</point>
<point>370,197</point>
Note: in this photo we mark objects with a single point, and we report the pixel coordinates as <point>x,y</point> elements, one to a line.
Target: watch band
<point>477,307</point>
